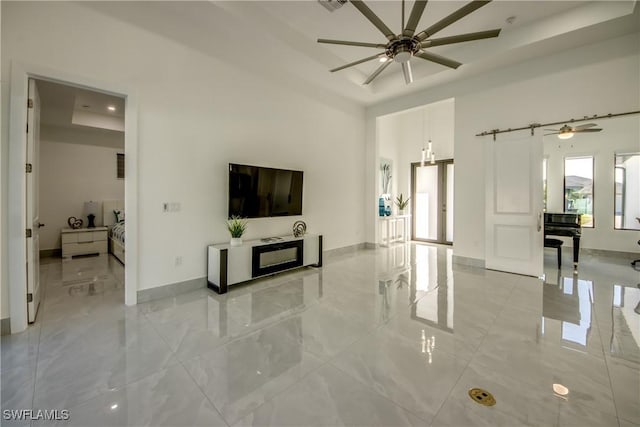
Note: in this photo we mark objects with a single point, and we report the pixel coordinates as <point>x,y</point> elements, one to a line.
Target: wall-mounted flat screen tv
<point>257,192</point>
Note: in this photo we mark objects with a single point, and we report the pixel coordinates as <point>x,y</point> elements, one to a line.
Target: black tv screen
<point>257,192</point>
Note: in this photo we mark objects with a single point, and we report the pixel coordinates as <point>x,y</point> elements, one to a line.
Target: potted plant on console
<point>236,226</point>
<point>402,203</point>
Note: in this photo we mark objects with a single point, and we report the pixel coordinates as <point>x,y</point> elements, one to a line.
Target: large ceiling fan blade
<point>461,38</point>
<point>439,59</point>
<point>373,18</point>
<point>455,16</point>
<point>377,72</point>
<point>406,70</point>
<point>414,18</point>
<point>585,126</point>
<point>351,64</point>
<point>348,43</point>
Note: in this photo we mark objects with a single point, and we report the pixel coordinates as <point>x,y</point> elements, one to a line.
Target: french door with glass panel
<point>432,201</point>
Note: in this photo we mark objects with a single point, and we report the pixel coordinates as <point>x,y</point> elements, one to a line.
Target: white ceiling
<point>278,38</point>
<point>74,115</point>
<point>60,103</point>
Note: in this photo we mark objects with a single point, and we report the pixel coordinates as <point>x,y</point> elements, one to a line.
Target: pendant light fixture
<point>428,153</point>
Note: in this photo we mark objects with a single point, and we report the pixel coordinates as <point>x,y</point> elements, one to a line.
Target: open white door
<point>33,216</point>
<point>514,219</point>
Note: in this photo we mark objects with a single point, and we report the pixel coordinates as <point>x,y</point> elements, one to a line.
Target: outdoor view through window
<point>578,188</point>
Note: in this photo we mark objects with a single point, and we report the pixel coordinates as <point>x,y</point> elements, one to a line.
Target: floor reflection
<point>566,310</point>
<point>426,276</point>
<point>625,336</point>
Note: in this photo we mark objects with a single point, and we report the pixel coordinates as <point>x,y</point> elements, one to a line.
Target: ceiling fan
<point>566,131</point>
<point>402,47</point>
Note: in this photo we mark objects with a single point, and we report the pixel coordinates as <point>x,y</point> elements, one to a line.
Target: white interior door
<point>33,216</point>
<point>514,220</point>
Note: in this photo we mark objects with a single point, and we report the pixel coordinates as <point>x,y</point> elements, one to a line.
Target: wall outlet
<point>178,261</point>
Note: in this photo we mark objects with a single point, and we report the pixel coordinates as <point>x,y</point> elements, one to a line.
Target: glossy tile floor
<point>376,338</point>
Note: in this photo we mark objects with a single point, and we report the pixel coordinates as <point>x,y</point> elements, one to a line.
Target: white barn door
<point>514,218</point>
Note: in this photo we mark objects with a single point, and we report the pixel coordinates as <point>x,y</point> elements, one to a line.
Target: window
<point>627,192</point>
<point>120,166</point>
<point>578,188</point>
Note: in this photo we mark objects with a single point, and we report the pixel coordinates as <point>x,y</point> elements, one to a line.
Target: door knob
<point>40,225</point>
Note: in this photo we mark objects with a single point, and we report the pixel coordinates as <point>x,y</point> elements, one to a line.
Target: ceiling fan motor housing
<point>403,49</point>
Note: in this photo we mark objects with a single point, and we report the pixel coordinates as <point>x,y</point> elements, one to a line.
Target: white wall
<point>594,79</point>
<point>198,112</point>
<point>71,174</point>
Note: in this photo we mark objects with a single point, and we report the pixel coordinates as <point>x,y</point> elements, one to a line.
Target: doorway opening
<point>20,254</point>
<point>406,140</point>
<point>75,197</point>
<point>432,195</point>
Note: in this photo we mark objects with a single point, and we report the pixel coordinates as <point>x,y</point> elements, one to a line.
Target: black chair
<point>557,244</point>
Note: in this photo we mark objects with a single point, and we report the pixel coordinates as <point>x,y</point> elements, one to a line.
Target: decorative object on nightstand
<point>74,222</point>
<point>91,208</point>
<point>299,228</point>
<point>236,226</point>
<point>402,203</point>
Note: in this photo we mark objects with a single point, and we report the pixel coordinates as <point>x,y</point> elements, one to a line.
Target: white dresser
<point>84,241</point>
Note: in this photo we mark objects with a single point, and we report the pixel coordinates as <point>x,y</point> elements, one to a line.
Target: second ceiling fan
<point>402,47</point>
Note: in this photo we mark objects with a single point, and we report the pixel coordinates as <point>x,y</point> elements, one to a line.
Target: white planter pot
<point>236,241</point>
<point>400,211</point>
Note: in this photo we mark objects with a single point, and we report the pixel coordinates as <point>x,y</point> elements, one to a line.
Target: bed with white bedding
<point>113,217</point>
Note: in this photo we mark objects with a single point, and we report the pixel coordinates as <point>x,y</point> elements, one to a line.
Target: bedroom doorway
<point>63,152</point>
<point>80,179</point>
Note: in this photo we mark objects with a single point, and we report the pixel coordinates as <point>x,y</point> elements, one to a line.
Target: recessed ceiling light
<point>560,389</point>
<point>111,108</point>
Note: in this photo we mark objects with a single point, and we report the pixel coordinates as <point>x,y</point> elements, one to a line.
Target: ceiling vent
<point>332,5</point>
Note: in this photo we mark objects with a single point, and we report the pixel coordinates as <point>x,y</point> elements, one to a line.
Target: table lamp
<point>91,210</point>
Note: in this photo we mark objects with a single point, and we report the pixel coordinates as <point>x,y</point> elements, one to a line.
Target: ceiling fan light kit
<point>565,135</point>
<point>400,48</point>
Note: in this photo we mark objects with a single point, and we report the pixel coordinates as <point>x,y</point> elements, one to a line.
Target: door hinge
<point>29,103</point>
<point>27,127</point>
<point>29,168</point>
<point>29,233</point>
<point>29,297</point>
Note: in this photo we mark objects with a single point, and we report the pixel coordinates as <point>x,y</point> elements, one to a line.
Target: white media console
<point>228,265</point>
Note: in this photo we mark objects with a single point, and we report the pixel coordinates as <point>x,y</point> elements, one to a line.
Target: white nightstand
<point>84,241</point>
